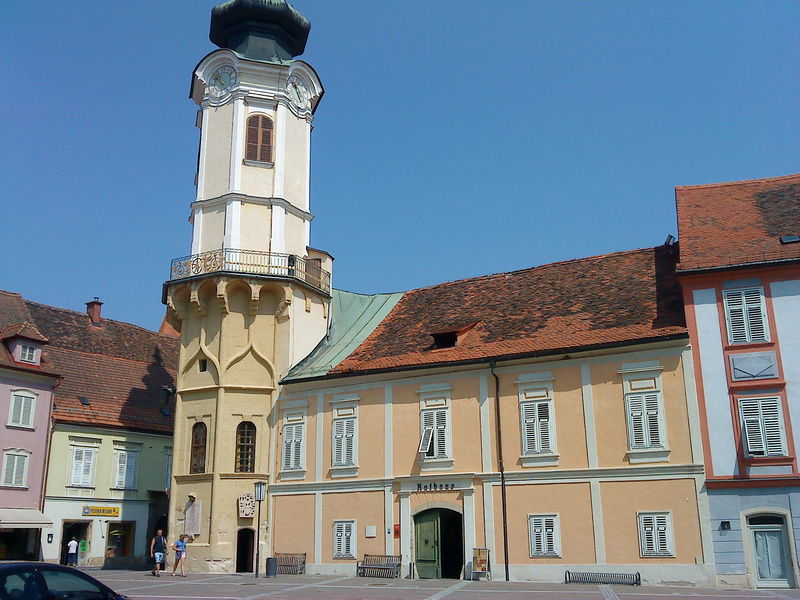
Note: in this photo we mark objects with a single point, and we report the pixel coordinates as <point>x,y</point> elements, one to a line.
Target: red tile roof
<point>13,317</point>
<point>561,307</point>
<point>737,223</point>
<point>119,367</point>
<point>25,330</point>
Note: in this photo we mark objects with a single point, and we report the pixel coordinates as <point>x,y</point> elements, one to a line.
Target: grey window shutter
<point>426,439</point>
<point>441,433</point>
<point>543,416</point>
<point>636,421</point>
<point>773,426</point>
<point>751,426</point>
<point>349,441</point>
<point>653,420</point>
<point>338,442</point>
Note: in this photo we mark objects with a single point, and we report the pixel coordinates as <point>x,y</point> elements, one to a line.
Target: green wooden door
<point>427,544</point>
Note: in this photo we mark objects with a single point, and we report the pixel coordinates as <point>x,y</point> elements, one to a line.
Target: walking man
<point>72,553</point>
<point>158,546</point>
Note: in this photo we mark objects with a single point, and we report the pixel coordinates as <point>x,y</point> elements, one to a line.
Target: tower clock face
<point>298,93</point>
<point>222,81</point>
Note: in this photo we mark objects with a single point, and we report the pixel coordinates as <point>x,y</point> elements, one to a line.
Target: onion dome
<point>269,30</point>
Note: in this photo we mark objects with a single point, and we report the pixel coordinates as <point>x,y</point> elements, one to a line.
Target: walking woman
<point>180,554</point>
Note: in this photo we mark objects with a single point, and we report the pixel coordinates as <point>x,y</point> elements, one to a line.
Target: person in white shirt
<point>72,553</point>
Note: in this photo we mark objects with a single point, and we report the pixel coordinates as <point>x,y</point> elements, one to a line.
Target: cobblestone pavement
<point>139,585</point>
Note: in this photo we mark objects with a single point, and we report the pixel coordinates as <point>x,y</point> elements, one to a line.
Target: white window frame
<point>353,526</point>
<point>23,351</point>
<point>556,534</point>
<point>535,389</point>
<point>125,483</point>
<point>760,429</point>
<point>742,299</point>
<point>168,468</point>
<point>667,536</point>
<point>344,410</point>
<point>26,395</point>
<point>643,379</point>
<point>18,453</point>
<point>84,482</point>
<point>435,398</point>
<point>294,420</point>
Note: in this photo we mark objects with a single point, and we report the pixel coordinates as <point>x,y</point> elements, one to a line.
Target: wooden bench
<point>291,564</point>
<point>379,565</point>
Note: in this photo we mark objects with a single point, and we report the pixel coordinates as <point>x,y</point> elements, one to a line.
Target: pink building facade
<point>26,390</point>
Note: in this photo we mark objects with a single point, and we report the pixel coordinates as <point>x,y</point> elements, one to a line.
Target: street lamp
<point>260,493</point>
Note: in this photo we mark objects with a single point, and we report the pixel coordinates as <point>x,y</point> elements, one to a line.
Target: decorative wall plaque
<point>753,365</point>
<point>247,506</point>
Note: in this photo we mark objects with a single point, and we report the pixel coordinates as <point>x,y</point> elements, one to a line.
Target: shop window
<point>119,540</point>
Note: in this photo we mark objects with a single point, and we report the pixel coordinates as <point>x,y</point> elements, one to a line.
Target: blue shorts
<point>158,557</point>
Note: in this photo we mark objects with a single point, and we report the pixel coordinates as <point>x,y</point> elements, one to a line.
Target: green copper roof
<point>353,318</point>
<point>267,30</point>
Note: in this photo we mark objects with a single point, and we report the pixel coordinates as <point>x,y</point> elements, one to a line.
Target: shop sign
<point>100,511</point>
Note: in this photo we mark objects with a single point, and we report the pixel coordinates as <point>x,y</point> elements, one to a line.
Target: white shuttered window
<point>125,468</point>
<point>82,472</point>
<point>746,315</point>
<point>545,537</point>
<point>344,439</point>
<point>21,411</point>
<point>655,534</point>
<point>15,468</point>
<point>537,427</point>
<point>645,420</point>
<point>293,445</point>
<point>435,433</point>
<point>344,542</point>
<point>763,432</point>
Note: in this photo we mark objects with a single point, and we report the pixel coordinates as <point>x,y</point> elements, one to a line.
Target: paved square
<point>139,585</point>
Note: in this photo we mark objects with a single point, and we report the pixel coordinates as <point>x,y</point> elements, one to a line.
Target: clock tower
<point>252,298</point>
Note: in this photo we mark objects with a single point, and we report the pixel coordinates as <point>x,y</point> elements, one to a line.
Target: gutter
<point>46,471</point>
<point>500,465</point>
<point>739,266</point>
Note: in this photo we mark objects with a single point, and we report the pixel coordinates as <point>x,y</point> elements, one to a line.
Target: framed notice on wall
<point>480,563</point>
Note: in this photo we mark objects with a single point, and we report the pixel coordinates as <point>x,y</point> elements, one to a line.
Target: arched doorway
<point>772,558</point>
<point>438,544</point>
<point>244,550</point>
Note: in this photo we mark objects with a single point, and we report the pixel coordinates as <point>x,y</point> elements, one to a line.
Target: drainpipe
<point>500,465</point>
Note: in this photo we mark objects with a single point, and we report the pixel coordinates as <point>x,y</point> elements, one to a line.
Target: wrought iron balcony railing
<point>252,262</point>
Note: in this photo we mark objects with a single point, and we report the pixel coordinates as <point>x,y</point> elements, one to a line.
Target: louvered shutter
<point>130,469</point>
<point>338,442</point>
<point>537,535</point>
<point>288,435</point>
<point>122,463</point>
<point>653,420</point>
<point>265,145</point>
<point>426,439</point>
<point>251,145</point>
<point>342,538</point>
<point>745,313</point>
<point>441,433</point>
<point>647,534</point>
<point>661,534</point>
<point>528,427</point>
<point>297,446</point>
<point>636,421</point>
<point>88,465</point>
<point>773,426</point>
<point>19,469</point>
<point>349,441</point>
<point>8,474</point>
<point>549,535</point>
<point>16,409</point>
<point>543,417</point>
<point>76,477</point>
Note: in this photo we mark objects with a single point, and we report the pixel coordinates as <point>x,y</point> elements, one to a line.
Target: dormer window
<point>445,339</point>
<point>27,353</point>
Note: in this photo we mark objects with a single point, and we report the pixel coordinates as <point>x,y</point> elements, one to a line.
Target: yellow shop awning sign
<point>100,511</point>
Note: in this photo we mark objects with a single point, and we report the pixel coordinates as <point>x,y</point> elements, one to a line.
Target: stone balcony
<point>252,262</point>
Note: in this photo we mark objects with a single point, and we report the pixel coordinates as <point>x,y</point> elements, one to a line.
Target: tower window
<point>202,364</point>
<point>245,447</point>
<point>198,455</point>
<point>259,139</point>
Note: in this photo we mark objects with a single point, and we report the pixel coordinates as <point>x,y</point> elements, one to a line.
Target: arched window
<point>246,447</point>
<point>259,139</point>
<point>198,456</point>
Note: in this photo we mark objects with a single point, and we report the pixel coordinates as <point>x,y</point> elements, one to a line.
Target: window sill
<point>538,460</point>
<point>344,471</point>
<point>748,345</point>
<point>258,163</point>
<point>293,475</point>
<point>648,455</point>
<point>22,427</point>
<point>436,464</point>
<point>768,460</point>
<point>344,558</point>
<point>657,556</point>
<point>124,489</point>
<point>757,384</point>
<point>80,487</point>
<point>8,486</point>
<point>550,555</point>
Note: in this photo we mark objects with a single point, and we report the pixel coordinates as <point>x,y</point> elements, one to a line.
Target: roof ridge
<point>77,312</point>
<point>17,294</point>
<point>739,182</point>
<point>558,262</point>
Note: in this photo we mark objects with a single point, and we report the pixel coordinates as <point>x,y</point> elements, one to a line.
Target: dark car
<point>44,581</point>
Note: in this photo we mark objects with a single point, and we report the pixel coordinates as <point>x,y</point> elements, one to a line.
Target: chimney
<point>93,310</point>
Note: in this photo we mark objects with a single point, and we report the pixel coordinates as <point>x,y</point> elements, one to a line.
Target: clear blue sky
<point>455,138</point>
